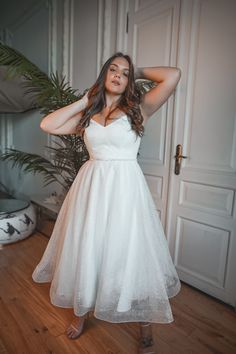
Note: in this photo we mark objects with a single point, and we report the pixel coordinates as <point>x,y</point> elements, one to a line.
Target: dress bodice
<point>116,140</point>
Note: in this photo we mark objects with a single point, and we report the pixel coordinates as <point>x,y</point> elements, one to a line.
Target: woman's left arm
<point>166,78</point>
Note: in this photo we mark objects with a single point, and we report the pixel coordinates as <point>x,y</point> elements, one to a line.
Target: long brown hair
<point>128,102</point>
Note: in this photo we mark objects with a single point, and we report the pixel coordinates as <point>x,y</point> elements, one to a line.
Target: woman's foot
<point>75,329</point>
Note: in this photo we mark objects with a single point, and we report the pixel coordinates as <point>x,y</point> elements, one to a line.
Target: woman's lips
<point>115,82</point>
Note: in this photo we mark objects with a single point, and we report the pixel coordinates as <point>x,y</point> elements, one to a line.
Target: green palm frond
<point>63,166</point>
<point>51,92</point>
<point>144,86</point>
<point>36,164</point>
<point>19,65</point>
<point>70,153</point>
<point>54,96</point>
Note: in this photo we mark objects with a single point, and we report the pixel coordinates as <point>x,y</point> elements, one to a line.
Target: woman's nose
<point>117,74</point>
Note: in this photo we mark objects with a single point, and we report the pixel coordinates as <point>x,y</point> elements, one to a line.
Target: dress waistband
<point>92,159</point>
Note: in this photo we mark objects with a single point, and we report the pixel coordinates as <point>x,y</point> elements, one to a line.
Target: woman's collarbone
<point>101,118</point>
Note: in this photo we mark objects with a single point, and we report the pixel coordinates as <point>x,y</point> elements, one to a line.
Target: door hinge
<point>127,22</point>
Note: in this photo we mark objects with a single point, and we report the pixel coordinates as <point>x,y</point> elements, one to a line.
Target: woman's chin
<point>114,91</point>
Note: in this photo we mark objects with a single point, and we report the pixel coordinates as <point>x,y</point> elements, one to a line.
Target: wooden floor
<point>29,324</point>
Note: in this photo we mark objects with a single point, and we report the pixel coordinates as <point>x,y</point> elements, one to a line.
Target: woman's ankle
<point>79,316</point>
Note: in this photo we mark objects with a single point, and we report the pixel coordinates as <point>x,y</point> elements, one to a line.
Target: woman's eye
<point>126,74</point>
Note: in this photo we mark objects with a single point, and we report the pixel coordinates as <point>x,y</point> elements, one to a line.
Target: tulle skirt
<point>108,252</point>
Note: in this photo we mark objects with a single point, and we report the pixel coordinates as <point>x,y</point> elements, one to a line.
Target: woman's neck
<point>112,100</point>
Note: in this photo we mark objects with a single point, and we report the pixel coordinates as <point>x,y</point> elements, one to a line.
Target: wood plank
<point>202,325</point>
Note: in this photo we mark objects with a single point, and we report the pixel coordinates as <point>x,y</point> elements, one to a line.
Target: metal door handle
<point>178,158</point>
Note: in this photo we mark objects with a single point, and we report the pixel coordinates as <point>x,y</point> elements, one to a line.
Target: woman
<point>108,252</point>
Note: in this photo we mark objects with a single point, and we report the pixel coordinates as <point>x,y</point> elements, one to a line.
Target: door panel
<point>197,206</point>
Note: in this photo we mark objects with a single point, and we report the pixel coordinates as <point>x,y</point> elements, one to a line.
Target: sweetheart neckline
<point>105,126</point>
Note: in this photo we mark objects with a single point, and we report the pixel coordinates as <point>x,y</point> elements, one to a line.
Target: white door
<point>152,38</point>
<point>196,206</point>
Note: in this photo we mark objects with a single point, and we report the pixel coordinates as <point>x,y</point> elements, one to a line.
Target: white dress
<point>108,252</point>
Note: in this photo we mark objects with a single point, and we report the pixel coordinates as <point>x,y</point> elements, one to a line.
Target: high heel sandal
<point>77,329</point>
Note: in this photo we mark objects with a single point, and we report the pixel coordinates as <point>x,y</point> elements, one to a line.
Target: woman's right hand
<point>64,120</point>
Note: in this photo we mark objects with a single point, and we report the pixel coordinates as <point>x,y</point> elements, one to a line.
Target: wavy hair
<point>128,102</point>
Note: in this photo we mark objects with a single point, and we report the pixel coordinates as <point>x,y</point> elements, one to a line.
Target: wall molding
<point>52,35</point>
<point>6,36</point>
<point>122,35</point>
<point>6,132</point>
<point>68,39</point>
<point>6,123</point>
<point>107,23</point>
<point>53,16</point>
<point>100,35</point>
<point>106,20</point>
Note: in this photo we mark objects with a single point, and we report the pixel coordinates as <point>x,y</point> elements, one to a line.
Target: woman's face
<point>117,76</point>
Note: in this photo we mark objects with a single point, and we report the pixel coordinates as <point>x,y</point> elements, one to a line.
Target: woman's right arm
<point>65,120</point>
